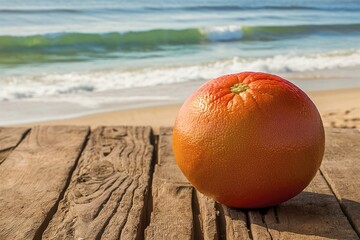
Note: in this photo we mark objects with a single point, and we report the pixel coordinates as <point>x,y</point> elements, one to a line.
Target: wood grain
<point>341,168</point>
<point>313,214</point>
<point>34,176</point>
<point>107,196</point>
<point>207,217</point>
<point>233,223</point>
<point>9,139</point>
<point>112,192</point>
<point>172,216</point>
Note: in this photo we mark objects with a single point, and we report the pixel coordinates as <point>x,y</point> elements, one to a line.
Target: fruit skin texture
<point>252,145</point>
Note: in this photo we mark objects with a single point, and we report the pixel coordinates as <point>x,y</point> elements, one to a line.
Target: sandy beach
<point>338,108</point>
<point>90,91</point>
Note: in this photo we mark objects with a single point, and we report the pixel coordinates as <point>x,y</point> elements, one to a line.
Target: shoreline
<point>339,107</point>
<point>76,105</point>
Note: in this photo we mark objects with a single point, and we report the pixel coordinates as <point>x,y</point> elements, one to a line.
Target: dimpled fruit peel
<point>249,140</point>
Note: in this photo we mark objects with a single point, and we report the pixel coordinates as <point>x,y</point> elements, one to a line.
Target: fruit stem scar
<point>239,88</point>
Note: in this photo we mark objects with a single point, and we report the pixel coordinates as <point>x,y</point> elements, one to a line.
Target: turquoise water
<point>50,50</point>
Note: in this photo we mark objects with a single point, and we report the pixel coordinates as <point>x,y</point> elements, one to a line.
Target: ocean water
<point>65,58</point>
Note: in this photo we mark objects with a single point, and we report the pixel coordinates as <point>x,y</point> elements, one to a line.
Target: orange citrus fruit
<point>249,140</point>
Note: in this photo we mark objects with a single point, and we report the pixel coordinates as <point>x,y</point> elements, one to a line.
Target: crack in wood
<point>121,227</point>
<point>235,223</point>
<point>115,175</point>
<point>114,186</point>
<point>4,154</point>
<point>263,212</point>
<point>118,226</point>
<point>149,198</point>
<point>248,224</point>
<point>220,221</point>
<point>207,217</point>
<point>197,225</point>
<point>276,214</point>
<point>314,212</point>
<point>106,223</point>
<point>172,216</point>
<point>6,151</point>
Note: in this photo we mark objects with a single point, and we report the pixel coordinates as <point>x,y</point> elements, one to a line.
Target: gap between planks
<point>40,231</point>
<point>341,205</point>
<point>149,200</point>
<point>197,231</point>
<point>33,177</point>
<point>343,186</point>
<point>274,222</point>
<point>109,193</point>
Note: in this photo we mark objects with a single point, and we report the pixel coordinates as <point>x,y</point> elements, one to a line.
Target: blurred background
<point>60,59</point>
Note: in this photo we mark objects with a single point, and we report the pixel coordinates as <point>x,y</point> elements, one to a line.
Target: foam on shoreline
<point>61,84</point>
<point>80,104</point>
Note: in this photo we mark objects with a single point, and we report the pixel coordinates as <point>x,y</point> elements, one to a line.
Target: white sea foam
<point>223,33</point>
<point>25,87</point>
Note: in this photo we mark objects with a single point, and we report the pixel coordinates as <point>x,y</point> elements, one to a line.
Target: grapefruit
<point>249,140</point>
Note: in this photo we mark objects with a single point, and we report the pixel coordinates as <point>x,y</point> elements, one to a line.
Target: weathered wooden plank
<point>233,223</point>
<point>171,217</point>
<point>341,168</point>
<point>9,139</point>
<point>207,217</point>
<point>313,214</point>
<point>34,176</point>
<point>107,195</point>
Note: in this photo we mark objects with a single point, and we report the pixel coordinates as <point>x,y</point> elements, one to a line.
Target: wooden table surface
<point>67,182</point>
